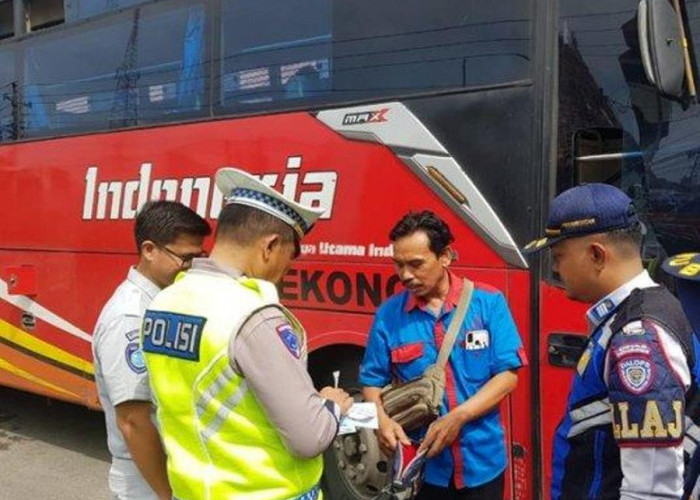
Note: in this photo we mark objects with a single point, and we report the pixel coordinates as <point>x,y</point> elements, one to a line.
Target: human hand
<point>389,434</point>
<point>338,396</point>
<point>441,433</point>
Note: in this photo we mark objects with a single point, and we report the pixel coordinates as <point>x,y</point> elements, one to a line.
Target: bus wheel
<point>354,467</point>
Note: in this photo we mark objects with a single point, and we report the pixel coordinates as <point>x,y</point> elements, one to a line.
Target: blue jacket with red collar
<point>405,339</point>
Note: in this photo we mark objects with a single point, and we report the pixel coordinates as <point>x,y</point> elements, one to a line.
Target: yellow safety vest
<point>220,444</point>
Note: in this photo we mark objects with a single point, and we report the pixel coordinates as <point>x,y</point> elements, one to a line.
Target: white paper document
<point>360,415</point>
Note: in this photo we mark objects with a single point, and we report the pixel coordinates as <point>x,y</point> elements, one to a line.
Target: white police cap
<point>241,188</point>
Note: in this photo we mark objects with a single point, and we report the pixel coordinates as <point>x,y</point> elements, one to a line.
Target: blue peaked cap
<point>585,209</point>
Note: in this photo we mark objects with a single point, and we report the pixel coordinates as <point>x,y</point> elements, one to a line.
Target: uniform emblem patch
<point>634,328</point>
<point>134,358</point>
<point>627,349</point>
<point>636,373</point>
<point>289,339</point>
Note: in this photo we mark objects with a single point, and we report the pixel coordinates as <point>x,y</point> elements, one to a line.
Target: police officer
<point>621,436</point>
<point>238,412</point>
<point>168,236</point>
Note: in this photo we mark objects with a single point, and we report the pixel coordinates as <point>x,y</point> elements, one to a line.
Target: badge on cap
<point>586,209</point>
<point>289,339</point>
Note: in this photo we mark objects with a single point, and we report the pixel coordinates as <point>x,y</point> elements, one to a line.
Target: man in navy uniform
<point>622,434</point>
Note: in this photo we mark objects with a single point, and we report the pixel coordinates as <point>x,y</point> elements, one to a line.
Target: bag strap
<point>449,341</point>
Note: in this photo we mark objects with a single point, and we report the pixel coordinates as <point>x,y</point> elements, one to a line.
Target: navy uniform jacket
<point>622,434</point>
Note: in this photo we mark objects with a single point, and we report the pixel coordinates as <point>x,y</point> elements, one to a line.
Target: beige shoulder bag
<point>417,403</point>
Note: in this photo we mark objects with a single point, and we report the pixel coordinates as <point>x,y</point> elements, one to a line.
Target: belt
<point>312,494</point>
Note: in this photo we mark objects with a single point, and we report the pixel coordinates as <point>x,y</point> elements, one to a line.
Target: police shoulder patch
<point>636,372</point>
<point>134,358</point>
<point>290,339</point>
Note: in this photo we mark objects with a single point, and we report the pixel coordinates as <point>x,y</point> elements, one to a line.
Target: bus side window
<point>598,156</point>
<point>604,155</point>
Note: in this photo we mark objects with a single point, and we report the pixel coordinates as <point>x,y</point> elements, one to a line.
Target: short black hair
<point>628,239</point>
<point>244,225</point>
<point>162,222</point>
<point>436,229</point>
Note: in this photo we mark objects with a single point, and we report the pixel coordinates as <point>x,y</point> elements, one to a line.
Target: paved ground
<point>51,450</point>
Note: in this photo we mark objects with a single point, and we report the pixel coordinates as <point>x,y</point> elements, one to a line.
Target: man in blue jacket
<point>621,436</point>
<point>465,446</point>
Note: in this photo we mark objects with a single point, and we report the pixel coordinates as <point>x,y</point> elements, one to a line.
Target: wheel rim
<point>360,463</point>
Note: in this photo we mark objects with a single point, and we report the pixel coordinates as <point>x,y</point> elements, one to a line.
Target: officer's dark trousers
<point>493,490</point>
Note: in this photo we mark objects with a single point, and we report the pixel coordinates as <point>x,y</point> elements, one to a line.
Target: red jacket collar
<point>451,300</point>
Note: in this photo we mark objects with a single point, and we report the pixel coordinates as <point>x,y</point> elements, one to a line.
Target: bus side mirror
<point>660,44</point>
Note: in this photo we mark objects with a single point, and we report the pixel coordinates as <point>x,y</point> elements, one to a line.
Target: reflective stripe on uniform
<point>692,436</point>
<point>218,385</point>
<point>225,410</point>
<point>591,415</point>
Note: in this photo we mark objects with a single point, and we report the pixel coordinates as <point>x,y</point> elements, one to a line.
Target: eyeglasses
<point>185,260</point>
<point>297,247</point>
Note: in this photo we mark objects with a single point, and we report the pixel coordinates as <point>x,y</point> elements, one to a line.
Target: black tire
<point>335,485</point>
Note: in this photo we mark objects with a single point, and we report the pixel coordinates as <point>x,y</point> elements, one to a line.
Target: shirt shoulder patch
<point>647,399</point>
<point>132,335</point>
<point>290,339</point>
<point>134,358</point>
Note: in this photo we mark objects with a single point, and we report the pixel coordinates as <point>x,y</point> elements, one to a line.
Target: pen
<point>336,378</point>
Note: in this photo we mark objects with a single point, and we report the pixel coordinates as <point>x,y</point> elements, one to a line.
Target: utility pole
<point>125,106</point>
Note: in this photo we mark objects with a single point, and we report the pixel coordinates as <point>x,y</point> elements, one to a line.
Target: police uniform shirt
<point>642,385</point>
<point>120,372</point>
<point>273,360</point>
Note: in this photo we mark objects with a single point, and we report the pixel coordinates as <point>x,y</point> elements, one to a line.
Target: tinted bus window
<point>282,53</point>
<point>404,46</point>
<point>44,13</point>
<point>274,50</point>
<point>614,126</point>
<point>82,9</point>
<point>7,27</point>
<point>8,95</point>
<point>144,66</point>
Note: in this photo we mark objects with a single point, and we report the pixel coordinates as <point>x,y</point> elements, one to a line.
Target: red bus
<point>479,111</point>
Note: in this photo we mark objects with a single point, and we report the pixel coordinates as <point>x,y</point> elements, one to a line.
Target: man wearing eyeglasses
<point>168,237</point>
